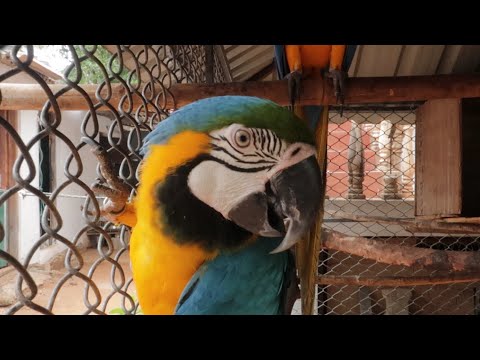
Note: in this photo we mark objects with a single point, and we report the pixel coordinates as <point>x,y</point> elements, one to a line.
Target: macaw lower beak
<point>288,206</point>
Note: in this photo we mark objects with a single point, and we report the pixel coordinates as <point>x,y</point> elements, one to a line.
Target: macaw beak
<point>291,200</point>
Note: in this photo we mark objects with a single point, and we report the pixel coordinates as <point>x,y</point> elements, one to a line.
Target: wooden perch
<point>314,91</point>
<point>462,220</point>
<point>466,261</point>
<point>396,281</point>
<point>419,225</point>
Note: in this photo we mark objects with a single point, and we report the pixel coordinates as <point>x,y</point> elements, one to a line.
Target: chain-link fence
<point>57,256</point>
<point>60,257</point>
<point>371,173</point>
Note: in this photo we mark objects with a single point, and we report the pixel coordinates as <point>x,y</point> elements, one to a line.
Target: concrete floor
<point>70,298</point>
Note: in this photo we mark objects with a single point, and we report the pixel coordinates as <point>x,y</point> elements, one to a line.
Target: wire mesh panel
<point>371,173</point>
<point>62,256</point>
<point>57,255</point>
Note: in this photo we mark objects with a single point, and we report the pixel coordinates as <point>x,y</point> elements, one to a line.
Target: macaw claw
<point>115,190</point>
<point>339,78</point>
<point>294,83</point>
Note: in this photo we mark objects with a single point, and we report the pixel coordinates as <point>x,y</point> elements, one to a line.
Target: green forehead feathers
<point>217,112</point>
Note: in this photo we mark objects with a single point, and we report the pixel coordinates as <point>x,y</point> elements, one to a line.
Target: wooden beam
<point>8,150</point>
<point>421,224</point>
<point>35,65</point>
<point>315,91</point>
<point>394,281</point>
<point>33,97</point>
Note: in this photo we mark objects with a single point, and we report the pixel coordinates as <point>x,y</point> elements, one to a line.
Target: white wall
<point>26,230</point>
<point>24,210</point>
<point>70,207</point>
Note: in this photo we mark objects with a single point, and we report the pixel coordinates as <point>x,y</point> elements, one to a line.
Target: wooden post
<point>8,150</point>
<point>439,159</point>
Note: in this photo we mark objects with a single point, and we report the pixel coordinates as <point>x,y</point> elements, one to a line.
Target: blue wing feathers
<point>248,281</point>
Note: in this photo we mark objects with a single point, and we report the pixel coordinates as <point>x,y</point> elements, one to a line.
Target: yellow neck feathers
<point>162,268</point>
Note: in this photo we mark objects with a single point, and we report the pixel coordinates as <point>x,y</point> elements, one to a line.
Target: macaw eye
<point>242,138</point>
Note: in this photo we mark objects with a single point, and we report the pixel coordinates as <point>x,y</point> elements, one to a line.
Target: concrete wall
<point>28,231</point>
<point>24,209</point>
<point>70,207</point>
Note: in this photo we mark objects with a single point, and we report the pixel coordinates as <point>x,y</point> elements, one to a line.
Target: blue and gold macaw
<point>293,63</point>
<point>227,185</point>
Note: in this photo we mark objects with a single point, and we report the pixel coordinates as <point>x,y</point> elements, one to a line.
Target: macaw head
<point>222,170</point>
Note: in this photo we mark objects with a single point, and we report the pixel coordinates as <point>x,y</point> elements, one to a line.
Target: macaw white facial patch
<point>242,161</point>
<point>222,188</point>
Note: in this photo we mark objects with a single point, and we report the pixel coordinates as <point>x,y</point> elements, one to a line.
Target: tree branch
<point>467,261</point>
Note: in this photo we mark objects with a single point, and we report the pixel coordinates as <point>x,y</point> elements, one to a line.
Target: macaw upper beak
<point>297,196</point>
<point>290,202</point>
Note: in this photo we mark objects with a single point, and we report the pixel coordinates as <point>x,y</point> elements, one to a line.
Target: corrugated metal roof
<point>245,61</point>
<point>370,60</point>
<point>255,62</point>
<point>404,60</point>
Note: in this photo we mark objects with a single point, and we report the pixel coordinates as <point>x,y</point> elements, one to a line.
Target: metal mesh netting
<point>56,257</point>
<point>63,259</point>
<point>371,172</point>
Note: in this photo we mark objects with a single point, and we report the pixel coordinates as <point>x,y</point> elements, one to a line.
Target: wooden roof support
<point>222,58</point>
<point>315,91</point>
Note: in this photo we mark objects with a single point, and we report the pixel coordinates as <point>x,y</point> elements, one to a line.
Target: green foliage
<point>120,311</point>
<point>91,72</point>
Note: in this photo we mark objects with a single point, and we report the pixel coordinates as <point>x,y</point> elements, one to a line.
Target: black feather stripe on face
<point>189,220</point>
